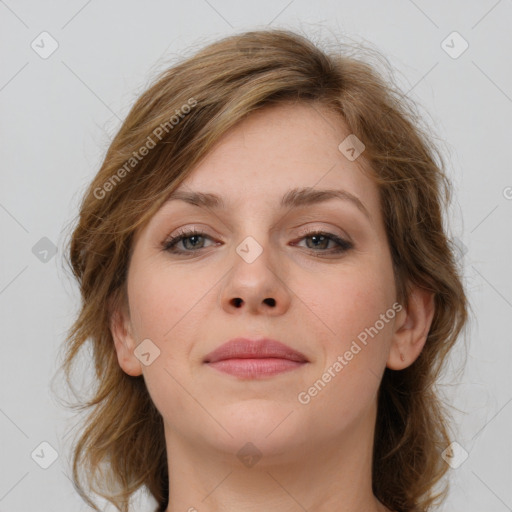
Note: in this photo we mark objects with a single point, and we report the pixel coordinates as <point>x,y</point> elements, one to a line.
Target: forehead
<point>277,149</point>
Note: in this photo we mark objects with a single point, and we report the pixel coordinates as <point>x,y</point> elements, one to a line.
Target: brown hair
<point>122,445</point>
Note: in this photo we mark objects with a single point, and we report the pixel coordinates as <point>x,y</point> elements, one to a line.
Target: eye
<point>192,236</point>
<point>193,240</point>
<point>321,239</point>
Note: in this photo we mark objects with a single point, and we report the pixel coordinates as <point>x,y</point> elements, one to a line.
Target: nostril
<point>270,302</point>
<point>237,302</point>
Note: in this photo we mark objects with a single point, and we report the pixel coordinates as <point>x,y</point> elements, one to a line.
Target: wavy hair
<point>184,112</point>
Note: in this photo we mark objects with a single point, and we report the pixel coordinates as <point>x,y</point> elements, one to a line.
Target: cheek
<point>347,303</point>
<point>166,307</point>
<point>165,301</point>
<point>355,308</point>
<point>353,349</point>
<point>169,305</point>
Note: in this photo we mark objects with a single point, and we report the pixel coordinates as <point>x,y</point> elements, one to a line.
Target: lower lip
<point>254,368</point>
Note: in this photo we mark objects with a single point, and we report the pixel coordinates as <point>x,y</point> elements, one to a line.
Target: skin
<point>315,456</point>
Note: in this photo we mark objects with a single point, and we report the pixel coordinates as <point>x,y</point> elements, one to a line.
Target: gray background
<point>59,113</point>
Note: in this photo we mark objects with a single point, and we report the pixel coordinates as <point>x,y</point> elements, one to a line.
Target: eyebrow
<point>294,198</point>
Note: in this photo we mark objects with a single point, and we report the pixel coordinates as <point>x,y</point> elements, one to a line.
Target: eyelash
<point>169,245</point>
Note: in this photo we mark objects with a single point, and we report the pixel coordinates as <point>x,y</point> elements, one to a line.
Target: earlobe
<point>412,326</point>
<point>124,342</point>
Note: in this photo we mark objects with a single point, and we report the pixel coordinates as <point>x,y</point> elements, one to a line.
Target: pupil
<point>318,238</point>
<point>193,237</point>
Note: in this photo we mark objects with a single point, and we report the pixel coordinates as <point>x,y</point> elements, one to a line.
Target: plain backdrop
<point>69,73</point>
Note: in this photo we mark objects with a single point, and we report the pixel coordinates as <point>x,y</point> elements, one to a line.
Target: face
<point>313,274</point>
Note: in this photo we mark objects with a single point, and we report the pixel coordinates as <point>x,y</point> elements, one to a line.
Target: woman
<point>268,290</point>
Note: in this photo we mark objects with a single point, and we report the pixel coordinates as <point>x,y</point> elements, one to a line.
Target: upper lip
<point>245,348</point>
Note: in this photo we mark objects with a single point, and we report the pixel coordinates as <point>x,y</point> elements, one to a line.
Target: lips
<point>249,359</point>
<point>263,348</point>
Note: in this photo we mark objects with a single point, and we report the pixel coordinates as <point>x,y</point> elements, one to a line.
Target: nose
<point>256,285</point>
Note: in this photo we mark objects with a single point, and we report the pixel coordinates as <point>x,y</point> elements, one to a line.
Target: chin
<point>273,428</point>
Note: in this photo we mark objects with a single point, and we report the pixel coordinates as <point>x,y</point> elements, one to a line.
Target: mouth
<point>250,359</point>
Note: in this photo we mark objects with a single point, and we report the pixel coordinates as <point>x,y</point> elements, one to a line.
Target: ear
<point>122,334</point>
<point>412,326</point>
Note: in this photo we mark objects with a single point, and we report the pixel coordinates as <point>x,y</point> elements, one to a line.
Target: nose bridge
<point>254,248</point>
<point>252,229</point>
<point>253,257</point>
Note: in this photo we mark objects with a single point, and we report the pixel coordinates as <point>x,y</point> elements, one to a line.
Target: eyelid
<point>326,227</point>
